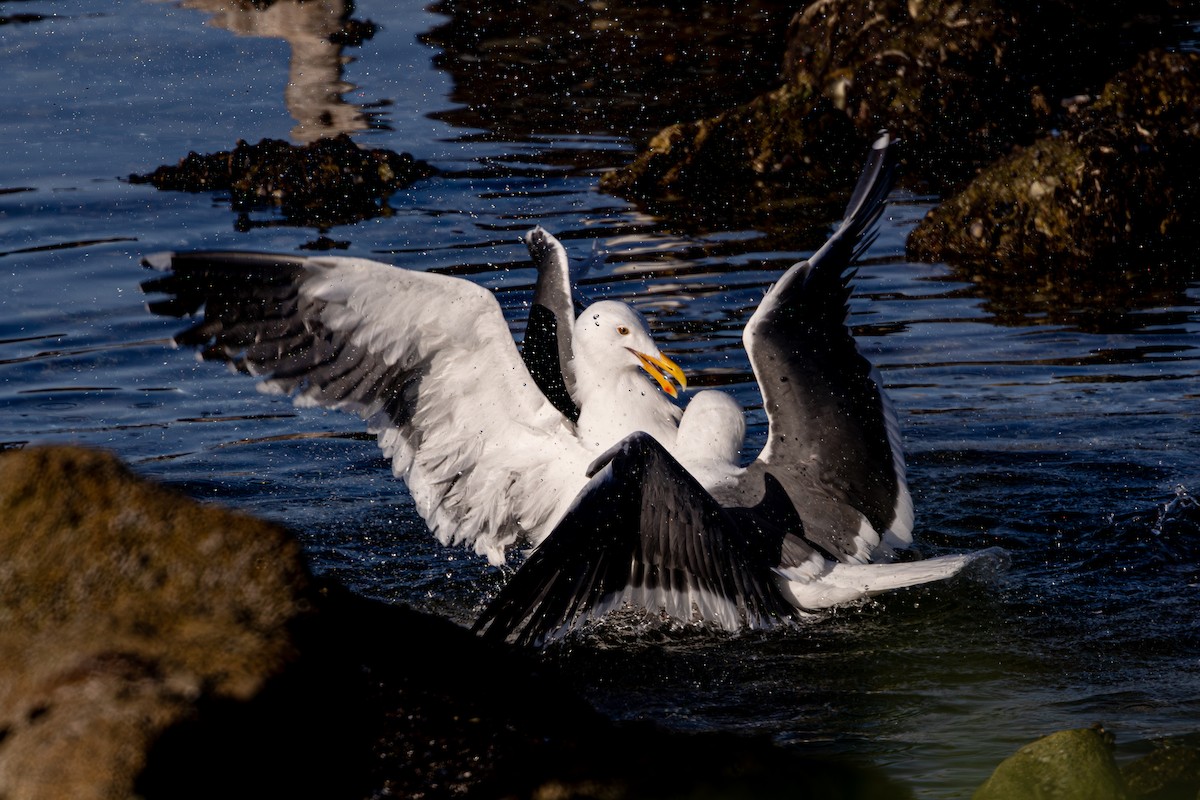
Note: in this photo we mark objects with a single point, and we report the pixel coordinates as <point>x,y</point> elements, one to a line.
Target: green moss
<point>1068,765</point>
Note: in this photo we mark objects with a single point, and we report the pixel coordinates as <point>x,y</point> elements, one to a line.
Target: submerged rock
<point>1068,765</point>
<point>1116,187</point>
<point>328,182</point>
<point>154,647</point>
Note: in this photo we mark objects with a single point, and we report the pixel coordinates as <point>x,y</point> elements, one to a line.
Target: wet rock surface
<point>151,646</point>
<point>959,82</point>
<point>331,181</point>
<point>1095,114</point>
<point>1116,187</point>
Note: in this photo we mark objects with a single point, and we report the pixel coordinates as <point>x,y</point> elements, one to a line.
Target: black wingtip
<point>878,176</point>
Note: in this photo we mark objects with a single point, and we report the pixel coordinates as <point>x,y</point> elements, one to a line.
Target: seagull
<point>677,527</point>
<point>429,362</point>
<point>566,448</point>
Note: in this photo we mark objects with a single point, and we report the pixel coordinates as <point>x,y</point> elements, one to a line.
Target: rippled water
<point>1054,418</point>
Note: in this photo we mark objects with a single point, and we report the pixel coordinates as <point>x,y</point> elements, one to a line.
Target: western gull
<point>567,448</point>
<point>675,526</point>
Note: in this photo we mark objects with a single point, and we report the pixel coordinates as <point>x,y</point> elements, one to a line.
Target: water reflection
<point>317,32</point>
<point>1094,301</point>
<point>603,67</point>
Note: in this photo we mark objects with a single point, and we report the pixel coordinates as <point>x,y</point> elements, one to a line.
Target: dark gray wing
<point>644,533</point>
<point>547,344</point>
<point>833,441</point>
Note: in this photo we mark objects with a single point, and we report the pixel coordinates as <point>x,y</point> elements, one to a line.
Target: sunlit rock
<point>122,606</point>
<point>959,82</point>
<point>1114,189</point>
<point>788,134</point>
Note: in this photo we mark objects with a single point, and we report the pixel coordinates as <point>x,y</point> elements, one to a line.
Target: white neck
<point>614,405</point>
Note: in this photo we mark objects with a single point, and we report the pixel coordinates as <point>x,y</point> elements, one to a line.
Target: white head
<point>612,340</point>
<point>713,428</point>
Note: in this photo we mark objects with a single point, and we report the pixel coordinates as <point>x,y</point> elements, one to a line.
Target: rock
<point>1068,765</point>
<point>121,606</point>
<point>787,136</point>
<point>959,82</point>
<point>331,181</point>
<point>154,647</point>
<point>1171,772</point>
<point>1116,186</point>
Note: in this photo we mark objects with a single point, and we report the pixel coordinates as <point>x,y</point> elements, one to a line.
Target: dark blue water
<point>1053,419</point>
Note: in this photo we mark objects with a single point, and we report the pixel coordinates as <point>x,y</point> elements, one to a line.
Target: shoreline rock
<point>156,647</point>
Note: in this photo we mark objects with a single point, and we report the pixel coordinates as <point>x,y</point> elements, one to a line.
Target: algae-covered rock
<point>1068,765</point>
<point>788,134</point>
<point>328,182</point>
<point>961,81</point>
<point>1117,185</point>
<point>852,66</point>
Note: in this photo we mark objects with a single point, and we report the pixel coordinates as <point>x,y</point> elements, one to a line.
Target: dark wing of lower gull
<point>426,359</point>
<point>644,533</point>
<point>547,344</point>
<point>833,440</point>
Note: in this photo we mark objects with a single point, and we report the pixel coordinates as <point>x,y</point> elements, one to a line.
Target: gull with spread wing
<point>565,447</point>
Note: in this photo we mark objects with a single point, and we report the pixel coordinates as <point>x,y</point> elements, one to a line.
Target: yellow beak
<point>657,365</point>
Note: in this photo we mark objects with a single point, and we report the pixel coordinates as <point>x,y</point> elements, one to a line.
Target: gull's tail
<point>844,583</point>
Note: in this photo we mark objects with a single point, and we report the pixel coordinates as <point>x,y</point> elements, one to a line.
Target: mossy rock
<point>1068,765</point>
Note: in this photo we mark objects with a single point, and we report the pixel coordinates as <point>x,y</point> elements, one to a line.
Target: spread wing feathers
<point>426,359</point>
<point>546,347</point>
<point>645,534</point>
<point>833,440</point>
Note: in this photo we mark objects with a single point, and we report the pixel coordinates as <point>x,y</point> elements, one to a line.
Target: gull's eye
<point>623,330</point>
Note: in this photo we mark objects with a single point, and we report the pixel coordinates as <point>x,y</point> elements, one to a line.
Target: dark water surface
<point>1054,418</point>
